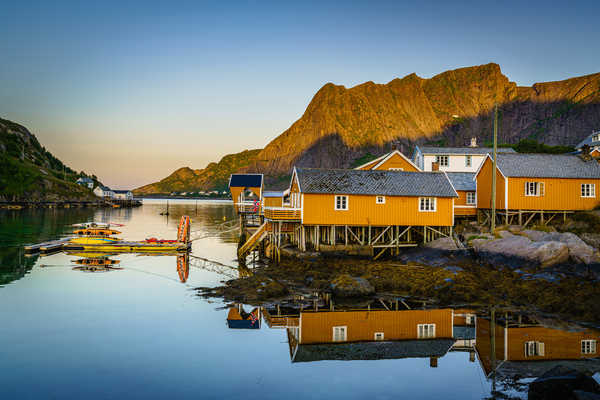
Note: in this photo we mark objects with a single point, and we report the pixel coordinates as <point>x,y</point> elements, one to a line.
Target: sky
<point>131,91</point>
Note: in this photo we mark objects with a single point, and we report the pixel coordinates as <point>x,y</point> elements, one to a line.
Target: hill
<point>214,177</point>
<point>29,172</point>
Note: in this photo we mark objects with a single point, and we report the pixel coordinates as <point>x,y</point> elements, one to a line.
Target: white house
<point>123,194</point>
<point>104,192</point>
<point>453,159</point>
<point>87,182</point>
<point>592,140</point>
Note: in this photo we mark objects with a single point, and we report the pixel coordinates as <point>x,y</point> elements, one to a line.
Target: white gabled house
<point>105,192</point>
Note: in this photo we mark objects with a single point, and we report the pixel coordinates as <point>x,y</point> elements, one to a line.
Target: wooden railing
<point>248,207</point>
<point>283,213</point>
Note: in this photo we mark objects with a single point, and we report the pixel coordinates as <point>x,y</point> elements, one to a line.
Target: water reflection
<point>238,318</point>
<point>95,262</point>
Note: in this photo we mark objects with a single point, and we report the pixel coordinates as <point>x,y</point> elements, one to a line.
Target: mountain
<point>29,172</point>
<point>342,127</point>
<point>214,176</point>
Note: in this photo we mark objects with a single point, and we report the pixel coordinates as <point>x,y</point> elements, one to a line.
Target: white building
<point>104,192</point>
<point>592,140</point>
<point>123,194</point>
<point>453,159</point>
<point>87,182</point>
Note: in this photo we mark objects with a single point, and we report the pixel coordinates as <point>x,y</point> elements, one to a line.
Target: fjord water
<point>141,332</point>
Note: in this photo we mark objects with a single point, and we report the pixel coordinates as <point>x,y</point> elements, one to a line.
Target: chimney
<point>473,142</point>
<point>433,362</point>
<point>435,166</point>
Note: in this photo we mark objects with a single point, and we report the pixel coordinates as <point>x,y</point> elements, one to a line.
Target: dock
<point>46,246</point>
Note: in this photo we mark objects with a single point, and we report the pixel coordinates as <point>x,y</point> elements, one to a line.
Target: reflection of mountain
<point>525,348</point>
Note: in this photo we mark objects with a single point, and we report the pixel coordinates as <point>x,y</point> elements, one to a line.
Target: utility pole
<point>494,169</point>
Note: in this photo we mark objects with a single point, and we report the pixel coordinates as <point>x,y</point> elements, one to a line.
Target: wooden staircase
<point>253,240</point>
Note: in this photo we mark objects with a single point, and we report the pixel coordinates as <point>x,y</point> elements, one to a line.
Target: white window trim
<point>540,189</point>
<point>335,206</point>
<point>434,208</point>
<point>377,199</point>
<point>378,336</point>
<point>439,158</point>
<point>468,161</point>
<point>592,346</point>
<point>431,335</point>
<point>592,190</point>
<point>395,169</point>
<point>471,203</point>
<point>345,338</point>
<point>537,347</point>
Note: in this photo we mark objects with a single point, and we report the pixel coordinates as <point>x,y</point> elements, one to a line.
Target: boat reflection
<point>95,262</point>
<point>183,267</point>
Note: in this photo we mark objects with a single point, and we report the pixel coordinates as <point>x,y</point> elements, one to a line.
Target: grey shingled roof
<point>463,150</point>
<point>385,183</point>
<point>463,180</point>
<point>547,166</point>
<point>588,141</point>
<point>373,350</point>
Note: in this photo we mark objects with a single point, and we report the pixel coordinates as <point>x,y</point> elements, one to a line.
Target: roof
<point>463,150</point>
<point>373,182</point>
<point>273,193</point>
<point>373,350</point>
<point>380,160</point>
<point>588,141</point>
<point>245,180</point>
<point>122,191</point>
<point>85,179</point>
<point>547,166</point>
<point>104,188</point>
<point>463,180</point>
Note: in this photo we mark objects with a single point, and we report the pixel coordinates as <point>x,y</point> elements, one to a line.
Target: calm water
<point>139,330</point>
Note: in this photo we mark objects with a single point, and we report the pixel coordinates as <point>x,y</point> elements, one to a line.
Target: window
<point>442,161</point>
<point>470,319</point>
<point>588,190</point>
<point>470,198</point>
<point>468,161</point>
<point>396,169</point>
<point>378,336</point>
<point>341,202</point>
<point>533,349</point>
<point>427,204</point>
<point>534,188</point>
<point>340,334</point>
<point>380,200</point>
<point>425,331</point>
<point>588,347</point>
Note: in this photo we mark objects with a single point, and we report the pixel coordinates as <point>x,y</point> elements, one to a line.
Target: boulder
<point>593,239</point>
<point>550,253</point>
<point>444,243</point>
<point>579,251</point>
<point>560,383</point>
<point>350,286</point>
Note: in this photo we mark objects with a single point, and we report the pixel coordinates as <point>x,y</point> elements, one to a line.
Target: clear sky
<point>131,91</point>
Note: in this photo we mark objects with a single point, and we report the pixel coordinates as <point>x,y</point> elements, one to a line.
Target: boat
<point>95,232</point>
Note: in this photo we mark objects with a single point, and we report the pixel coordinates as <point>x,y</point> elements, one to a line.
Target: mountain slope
<point>214,176</point>
<point>340,125</point>
<point>28,172</point>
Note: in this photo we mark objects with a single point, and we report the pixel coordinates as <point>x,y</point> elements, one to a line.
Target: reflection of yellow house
<point>516,345</point>
<point>347,335</point>
<point>394,161</point>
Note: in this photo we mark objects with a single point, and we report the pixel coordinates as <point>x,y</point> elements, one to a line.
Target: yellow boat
<point>95,232</point>
<point>87,240</point>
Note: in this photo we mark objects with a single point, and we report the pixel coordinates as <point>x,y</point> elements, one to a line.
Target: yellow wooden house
<point>538,184</point>
<point>393,161</point>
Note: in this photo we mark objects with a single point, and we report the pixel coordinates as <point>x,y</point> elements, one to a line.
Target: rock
<point>581,395</point>
<point>550,253</point>
<point>505,234</point>
<point>350,286</point>
<point>445,243</point>
<point>592,239</point>
<point>579,251</point>
<point>559,383</point>
<point>514,228</point>
<point>511,250</point>
<point>534,235</point>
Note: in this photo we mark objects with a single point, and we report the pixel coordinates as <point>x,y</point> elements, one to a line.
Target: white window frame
<point>588,346</point>
<point>445,158</point>
<point>344,201</point>
<point>379,199</point>
<point>468,161</point>
<point>473,199</point>
<point>378,336</point>
<point>395,169</point>
<point>425,331</point>
<point>534,349</point>
<point>588,190</point>
<point>427,204</point>
<point>535,189</point>
<point>336,337</point>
